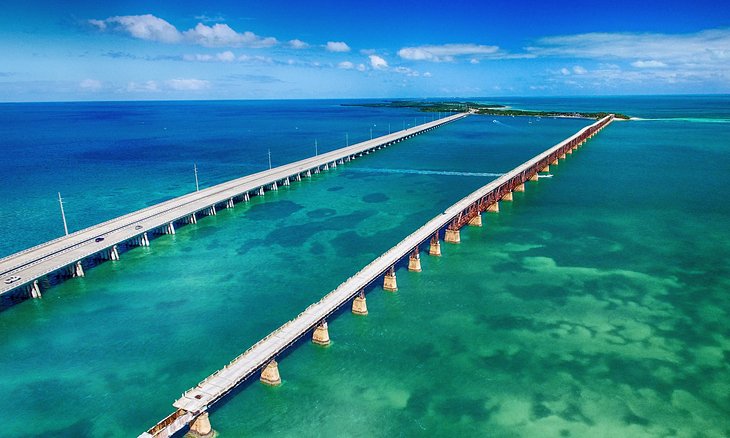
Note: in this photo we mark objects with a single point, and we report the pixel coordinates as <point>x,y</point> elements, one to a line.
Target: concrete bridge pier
<point>359,304</point>
<point>476,221</point>
<point>334,164</point>
<point>562,157</point>
<point>260,191</point>
<point>274,186</point>
<point>270,375</point>
<point>170,228</point>
<point>229,203</point>
<point>308,174</point>
<point>316,170</point>
<point>569,151</point>
<point>546,169</point>
<point>554,162</point>
<point>246,197</point>
<point>114,253</point>
<point>435,248</point>
<point>414,261</point>
<point>286,182</point>
<point>507,196</point>
<point>193,219</point>
<point>201,428</point>
<point>34,289</point>
<point>144,240</point>
<point>77,270</point>
<point>520,188</point>
<point>389,282</point>
<point>534,177</point>
<point>298,177</point>
<point>453,235</point>
<point>326,167</point>
<point>494,208</point>
<point>321,335</point>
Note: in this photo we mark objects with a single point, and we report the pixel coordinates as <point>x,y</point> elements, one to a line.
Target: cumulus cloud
<point>346,65</point>
<point>226,56</point>
<point>187,84</point>
<point>579,70</point>
<point>361,67</point>
<point>564,71</point>
<point>90,85</point>
<point>445,52</point>
<point>337,46</point>
<point>648,64</point>
<point>298,44</point>
<point>378,63</point>
<point>151,28</point>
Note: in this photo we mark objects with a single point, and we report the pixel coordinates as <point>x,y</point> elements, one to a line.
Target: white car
<point>12,279</point>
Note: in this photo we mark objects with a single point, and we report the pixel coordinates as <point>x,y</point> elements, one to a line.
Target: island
<point>480,108</point>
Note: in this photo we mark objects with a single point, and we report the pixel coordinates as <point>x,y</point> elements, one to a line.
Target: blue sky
<point>137,50</point>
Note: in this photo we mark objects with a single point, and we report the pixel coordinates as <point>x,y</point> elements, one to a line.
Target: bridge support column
<point>246,197</point>
<point>230,203</point>
<point>546,169</point>
<point>534,177</point>
<point>435,248</point>
<point>308,174</point>
<point>389,282</point>
<point>274,186</point>
<point>414,261</point>
<point>286,181</point>
<point>201,428</point>
<point>562,157</point>
<point>170,229</point>
<point>34,289</point>
<point>554,162</point>
<point>494,208</point>
<point>144,240</point>
<point>520,188</point>
<point>452,236</point>
<point>569,151</point>
<point>507,196</point>
<point>326,167</point>
<point>261,191</point>
<point>193,219</point>
<point>359,304</point>
<point>270,374</point>
<point>298,177</point>
<point>334,164</point>
<point>476,221</point>
<point>316,170</point>
<point>321,335</point>
<point>77,270</point>
<point>114,253</point>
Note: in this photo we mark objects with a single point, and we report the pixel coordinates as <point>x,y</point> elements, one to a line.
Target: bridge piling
<point>201,428</point>
<point>389,282</point>
<point>270,375</point>
<point>452,235</point>
<point>520,188</point>
<point>435,247</point>
<point>494,208</point>
<point>321,335</point>
<point>414,261</point>
<point>507,197</point>
<point>534,177</point>
<point>34,290</point>
<point>359,304</point>
<point>114,253</point>
<point>476,221</point>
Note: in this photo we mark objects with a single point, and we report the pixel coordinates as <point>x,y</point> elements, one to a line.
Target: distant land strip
<point>482,108</point>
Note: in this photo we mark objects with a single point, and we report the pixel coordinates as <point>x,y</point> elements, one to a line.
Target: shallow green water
<point>593,305</point>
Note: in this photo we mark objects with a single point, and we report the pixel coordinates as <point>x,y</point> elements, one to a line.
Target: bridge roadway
<point>39,261</point>
<point>198,399</point>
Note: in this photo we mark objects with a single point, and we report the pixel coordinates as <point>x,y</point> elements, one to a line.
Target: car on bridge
<point>12,279</point>
<point>99,239</point>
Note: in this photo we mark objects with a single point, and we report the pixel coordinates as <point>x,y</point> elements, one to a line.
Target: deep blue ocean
<point>594,304</point>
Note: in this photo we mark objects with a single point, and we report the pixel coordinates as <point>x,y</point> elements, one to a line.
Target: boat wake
<point>425,172</point>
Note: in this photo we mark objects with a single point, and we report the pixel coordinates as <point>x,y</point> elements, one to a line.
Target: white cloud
<point>427,74</point>
<point>708,46</point>
<point>361,67</point>
<point>145,86</point>
<point>149,27</point>
<point>187,84</point>
<point>378,63</point>
<point>474,61</point>
<point>90,85</point>
<point>648,64</point>
<point>144,27</point>
<point>564,71</point>
<point>445,52</point>
<point>579,70</point>
<point>407,71</point>
<point>226,56</point>
<point>298,44</point>
<point>346,65</point>
<point>337,46</point>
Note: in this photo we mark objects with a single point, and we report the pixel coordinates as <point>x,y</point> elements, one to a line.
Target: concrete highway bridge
<point>192,408</point>
<point>28,273</point>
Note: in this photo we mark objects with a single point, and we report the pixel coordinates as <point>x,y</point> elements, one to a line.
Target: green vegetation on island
<point>480,108</point>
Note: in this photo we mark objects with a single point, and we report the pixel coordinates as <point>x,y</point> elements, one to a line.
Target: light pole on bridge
<point>269,159</point>
<point>63,215</point>
<point>195,169</point>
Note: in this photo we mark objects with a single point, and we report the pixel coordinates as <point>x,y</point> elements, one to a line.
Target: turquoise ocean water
<point>595,304</point>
